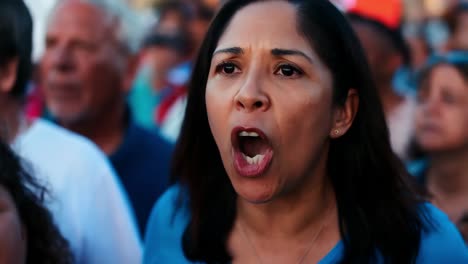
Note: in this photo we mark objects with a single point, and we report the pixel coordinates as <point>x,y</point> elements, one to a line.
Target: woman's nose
<point>252,97</point>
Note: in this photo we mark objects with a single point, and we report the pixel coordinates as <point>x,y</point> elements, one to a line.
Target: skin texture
<point>13,238</point>
<point>442,112</point>
<point>289,98</point>
<point>83,65</point>
<point>86,72</point>
<point>260,77</point>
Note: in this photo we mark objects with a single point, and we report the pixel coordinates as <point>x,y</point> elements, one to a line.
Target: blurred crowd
<point>96,117</point>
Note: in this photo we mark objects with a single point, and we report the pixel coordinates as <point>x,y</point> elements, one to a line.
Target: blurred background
<point>167,33</point>
<point>422,19</point>
<point>405,41</point>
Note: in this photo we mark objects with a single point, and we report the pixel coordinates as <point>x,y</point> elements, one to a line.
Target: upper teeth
<point>248,134</point>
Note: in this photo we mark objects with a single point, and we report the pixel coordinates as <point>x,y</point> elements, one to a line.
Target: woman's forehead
<point>268,25</point>
<point>443,77</point>
<point>445,71</point>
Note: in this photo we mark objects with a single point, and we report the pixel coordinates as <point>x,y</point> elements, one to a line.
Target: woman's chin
<point>255,195</point>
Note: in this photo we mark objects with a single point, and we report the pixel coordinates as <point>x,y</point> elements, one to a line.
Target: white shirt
<point>87,201</point>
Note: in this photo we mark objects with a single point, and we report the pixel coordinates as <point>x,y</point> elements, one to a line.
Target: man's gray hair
<point>131,28</point>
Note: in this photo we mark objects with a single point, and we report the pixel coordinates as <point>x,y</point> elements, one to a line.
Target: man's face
<point>83,65</point>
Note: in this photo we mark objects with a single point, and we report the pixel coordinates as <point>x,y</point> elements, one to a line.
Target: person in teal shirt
<point>284,154</point>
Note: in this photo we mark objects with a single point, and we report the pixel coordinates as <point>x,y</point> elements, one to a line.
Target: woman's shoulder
<point>166,226</point>
<point>441,242</point>
<point>170,211</point>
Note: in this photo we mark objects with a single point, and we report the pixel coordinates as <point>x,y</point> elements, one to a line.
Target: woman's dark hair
<point>16,41</point>
<point>45,244</point>
<point>377,207</point>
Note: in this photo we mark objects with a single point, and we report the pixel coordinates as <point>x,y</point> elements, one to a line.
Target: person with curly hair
<point>29,234</point>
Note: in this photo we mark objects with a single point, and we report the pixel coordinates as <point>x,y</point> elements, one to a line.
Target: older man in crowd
<point>86,72</point>
<point>86,199</point>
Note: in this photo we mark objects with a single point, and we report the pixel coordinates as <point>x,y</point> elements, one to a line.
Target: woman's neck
<point>290,215</point>
<point>448,173</point>
<point>300,228</point>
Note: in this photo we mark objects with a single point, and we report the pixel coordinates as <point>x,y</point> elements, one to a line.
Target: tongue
<point>253,146</point>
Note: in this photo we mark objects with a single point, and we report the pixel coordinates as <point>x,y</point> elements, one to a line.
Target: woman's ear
<point>8,75</point>
<point>344,115</point>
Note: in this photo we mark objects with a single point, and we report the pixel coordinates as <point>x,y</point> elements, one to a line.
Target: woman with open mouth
<point>284,154</point>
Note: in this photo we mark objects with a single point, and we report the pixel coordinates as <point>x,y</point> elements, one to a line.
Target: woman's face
<point>13,237</point>
<point>269,103</point>
<point>442,111</point>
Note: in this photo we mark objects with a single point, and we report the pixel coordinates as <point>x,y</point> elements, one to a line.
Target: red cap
<point>387,12</point>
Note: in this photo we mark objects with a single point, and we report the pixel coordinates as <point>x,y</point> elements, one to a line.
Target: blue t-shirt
<point>163,243</point>
<point>142,162</point>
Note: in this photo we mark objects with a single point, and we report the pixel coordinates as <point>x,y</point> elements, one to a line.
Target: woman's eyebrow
<point>289,52</point>
<point>232,50</point>
<point>274,52</point>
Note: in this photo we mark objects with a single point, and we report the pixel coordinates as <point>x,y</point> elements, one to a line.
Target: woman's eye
<point>448,98</point>
<point>447,95</point>
<point>288,71</point>
<point>226,68</point>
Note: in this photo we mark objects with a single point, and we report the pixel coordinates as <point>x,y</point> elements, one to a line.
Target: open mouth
<point>252,151</point>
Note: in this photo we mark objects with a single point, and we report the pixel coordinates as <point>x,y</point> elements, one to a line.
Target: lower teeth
<point>254,160</point>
